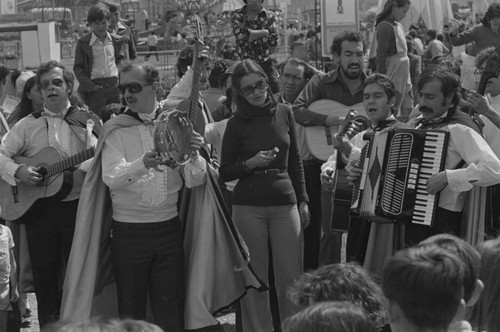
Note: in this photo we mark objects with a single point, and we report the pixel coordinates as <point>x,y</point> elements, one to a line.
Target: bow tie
<point>432,123</point>
<point>383,124</point>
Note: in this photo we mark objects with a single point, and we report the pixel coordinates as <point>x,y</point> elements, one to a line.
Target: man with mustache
<point>50,223</point>
<point>469,159</point>
<point>344,85</point>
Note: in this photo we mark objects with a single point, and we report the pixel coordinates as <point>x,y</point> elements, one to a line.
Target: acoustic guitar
<point>319,138</point>
<point>16,200</point>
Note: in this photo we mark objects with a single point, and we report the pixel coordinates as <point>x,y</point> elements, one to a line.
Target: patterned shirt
<point>259,49</point>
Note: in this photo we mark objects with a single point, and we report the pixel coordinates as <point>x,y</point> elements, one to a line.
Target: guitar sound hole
<point>43,172</point>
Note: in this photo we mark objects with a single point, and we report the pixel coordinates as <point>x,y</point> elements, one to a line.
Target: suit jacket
<point>84,60</point>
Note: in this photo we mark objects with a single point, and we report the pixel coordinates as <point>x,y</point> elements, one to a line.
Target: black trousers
<point>148,259</point>
<point>49,228</point>
<point>445,221</point>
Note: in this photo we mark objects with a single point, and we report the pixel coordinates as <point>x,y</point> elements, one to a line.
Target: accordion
<point>396,165</point>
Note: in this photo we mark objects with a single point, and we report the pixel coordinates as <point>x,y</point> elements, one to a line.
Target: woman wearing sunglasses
<point>260,149</point>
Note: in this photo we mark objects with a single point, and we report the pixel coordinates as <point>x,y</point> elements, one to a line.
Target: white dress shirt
<point>104,57</point>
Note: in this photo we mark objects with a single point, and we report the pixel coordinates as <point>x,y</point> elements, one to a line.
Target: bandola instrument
<point>396,165</point>
<point>174,128</point>
<point>342,192</point>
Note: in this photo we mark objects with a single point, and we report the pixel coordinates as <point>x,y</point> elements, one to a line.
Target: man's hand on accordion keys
<point>436,183</point>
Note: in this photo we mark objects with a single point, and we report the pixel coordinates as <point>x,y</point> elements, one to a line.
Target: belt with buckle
<point>269,171</point>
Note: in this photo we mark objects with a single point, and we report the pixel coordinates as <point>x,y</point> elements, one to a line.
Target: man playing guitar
<point>50,224</point>
<point>345,86</point>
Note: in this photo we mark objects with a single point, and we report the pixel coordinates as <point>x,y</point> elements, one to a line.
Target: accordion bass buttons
<point>412,176</point>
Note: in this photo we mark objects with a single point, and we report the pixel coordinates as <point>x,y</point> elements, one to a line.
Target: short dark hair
<point>341,282</point>
<point>384,81</point>
<point>113,8</point>
<point>184,60</point>
<point>68,76</point>
<point>492,12</point>
<point>426,282</point>
<point>485,55</point>
<point>4,72</point>
<point>328,316</point>
<point>151,73</point>
<point>450,82</point>
<point>351,36</point>
<point>432,33</point>
<point>309,71</point>
<point>98,12</point>
<point>219,67</point>
<point>466,253</point>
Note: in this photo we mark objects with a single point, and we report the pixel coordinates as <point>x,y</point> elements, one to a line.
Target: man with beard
<point>256,32</point>
<point>469,159</point>
<point>293,77</point>
<point>344,85</point>
<point>50,223</point>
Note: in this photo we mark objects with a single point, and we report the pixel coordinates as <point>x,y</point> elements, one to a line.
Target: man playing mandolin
<point>62,129</point>
<point>344,86</point>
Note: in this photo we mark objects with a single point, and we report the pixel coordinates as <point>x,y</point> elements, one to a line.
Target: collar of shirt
<point>422,122</point>
<point>149,118</point>
<point>93,38</point>
<point>50,114</point>
<point>384,123</point>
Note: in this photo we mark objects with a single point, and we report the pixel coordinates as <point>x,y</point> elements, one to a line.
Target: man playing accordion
<point>469,159</point>
<point>379,97</point>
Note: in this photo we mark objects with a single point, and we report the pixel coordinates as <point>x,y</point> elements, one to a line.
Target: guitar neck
<point>62,165</point>
<point>194,98</point>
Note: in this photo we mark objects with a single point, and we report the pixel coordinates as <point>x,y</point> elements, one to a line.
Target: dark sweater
<point>243,139</point>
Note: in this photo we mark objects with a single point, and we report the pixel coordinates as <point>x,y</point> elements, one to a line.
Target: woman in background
<point>259,148</point>
<point>391,50</point>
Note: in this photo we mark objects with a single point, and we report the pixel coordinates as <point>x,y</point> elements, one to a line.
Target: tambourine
<point>172,137</point>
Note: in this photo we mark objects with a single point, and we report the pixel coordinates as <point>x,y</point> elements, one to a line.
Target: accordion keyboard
<point>413,157</point>
<point>432,159</point>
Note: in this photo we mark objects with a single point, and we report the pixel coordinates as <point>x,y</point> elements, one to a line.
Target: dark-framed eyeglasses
<point>57,82</point>
<point>132,87</point>
<point>249,90</point>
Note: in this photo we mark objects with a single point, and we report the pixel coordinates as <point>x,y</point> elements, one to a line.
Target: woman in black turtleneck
<point>260,149</point>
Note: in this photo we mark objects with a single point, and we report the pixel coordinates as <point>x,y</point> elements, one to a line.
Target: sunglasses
<point>261,85</point>
<point>132,87</point>
<point>57,82</point>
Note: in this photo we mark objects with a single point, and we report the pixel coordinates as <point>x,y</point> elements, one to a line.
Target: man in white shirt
<point>146,233</point>
<point>97,57</point>
<point>50,223</point>
<point>469,159</point>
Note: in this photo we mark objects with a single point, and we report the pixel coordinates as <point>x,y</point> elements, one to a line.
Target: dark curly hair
<point>492,12</point>
<point>341,282</point>
<point>351,36</point>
